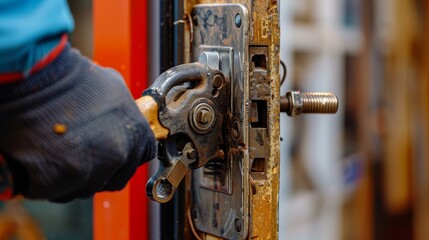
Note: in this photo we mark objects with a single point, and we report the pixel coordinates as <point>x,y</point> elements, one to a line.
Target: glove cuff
<point>46,72</point>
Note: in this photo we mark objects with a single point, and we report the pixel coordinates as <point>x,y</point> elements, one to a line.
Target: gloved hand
<point>71,130</point>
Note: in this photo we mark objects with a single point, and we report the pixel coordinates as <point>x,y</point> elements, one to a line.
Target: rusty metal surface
<point>264,85</point>
<point>264,203</point>
<point>191,99</point>
<point>219,190</point>
<point>176,107</point>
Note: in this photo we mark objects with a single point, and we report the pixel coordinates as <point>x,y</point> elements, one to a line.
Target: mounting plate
<point>220,190</point>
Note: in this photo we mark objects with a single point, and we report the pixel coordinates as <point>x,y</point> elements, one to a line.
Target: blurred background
<point>361,174</point>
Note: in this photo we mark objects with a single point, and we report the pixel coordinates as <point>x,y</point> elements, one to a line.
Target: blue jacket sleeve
<point>29,29</point>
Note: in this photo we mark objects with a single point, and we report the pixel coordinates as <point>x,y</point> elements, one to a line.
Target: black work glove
<point>71,130</point>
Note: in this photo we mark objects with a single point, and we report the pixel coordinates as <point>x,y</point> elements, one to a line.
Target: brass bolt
<point>202,118</point>
<point>296,103</point>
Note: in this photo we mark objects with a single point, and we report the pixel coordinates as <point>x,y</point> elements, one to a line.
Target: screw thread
<point>319,102</point>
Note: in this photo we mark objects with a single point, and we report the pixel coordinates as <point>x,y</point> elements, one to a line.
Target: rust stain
<point>264,30</point>
<point>264,204</point>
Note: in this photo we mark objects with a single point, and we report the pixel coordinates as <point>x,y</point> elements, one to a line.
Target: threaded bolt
<point>296,103</point>
<point>319,102</point>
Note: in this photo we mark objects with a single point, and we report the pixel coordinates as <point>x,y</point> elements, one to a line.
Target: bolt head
<point>204,116</point>
<point>238,20</point>
<point>237,225</point>
<point>295,101</point>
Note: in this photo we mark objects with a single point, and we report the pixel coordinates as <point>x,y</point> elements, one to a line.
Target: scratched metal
<point>264,31</point>
<point>220,190</point>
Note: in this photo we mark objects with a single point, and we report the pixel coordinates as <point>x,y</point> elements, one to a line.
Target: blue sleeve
<point>24,23</point>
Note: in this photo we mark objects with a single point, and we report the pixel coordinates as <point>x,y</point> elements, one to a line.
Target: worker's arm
<point>68,128</point>
<point>72,129</point>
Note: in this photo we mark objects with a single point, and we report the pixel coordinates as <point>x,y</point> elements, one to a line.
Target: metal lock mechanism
<point>191,98</point>
<point>202,108</point>
<point>221,112</point>
<point>220,189</point>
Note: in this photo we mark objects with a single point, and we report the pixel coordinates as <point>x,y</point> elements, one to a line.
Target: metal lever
<point>185,109</point>
<point>162,186</point>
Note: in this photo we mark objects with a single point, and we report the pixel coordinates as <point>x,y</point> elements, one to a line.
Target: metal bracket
<point>220,189</point>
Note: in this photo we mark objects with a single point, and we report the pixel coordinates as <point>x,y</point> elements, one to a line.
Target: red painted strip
<point>138,83</point>
<point>51,56</point>
<point>6,78</point>
<point>139,47</point>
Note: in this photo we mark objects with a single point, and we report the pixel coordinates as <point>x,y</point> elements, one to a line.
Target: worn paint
<point>265,31</point>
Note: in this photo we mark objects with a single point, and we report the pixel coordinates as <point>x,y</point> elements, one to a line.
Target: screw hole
<point>238,20</point>
<point>237,225</point>
<point>164,189</point>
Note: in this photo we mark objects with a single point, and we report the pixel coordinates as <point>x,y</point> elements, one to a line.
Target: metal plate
<point>220,190</point>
